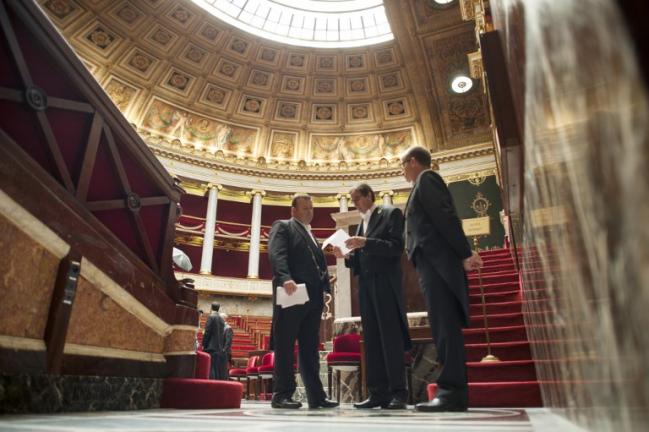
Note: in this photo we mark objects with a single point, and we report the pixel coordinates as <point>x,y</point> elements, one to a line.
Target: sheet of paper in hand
<point>338,239</point>
<point>300,296</point>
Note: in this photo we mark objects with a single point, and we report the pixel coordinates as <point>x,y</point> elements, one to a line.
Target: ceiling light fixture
<point>461,84</point>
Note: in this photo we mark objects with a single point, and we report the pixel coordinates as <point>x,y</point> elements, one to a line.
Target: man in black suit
<point>376,261</point>
<point>228,336</point>
<point>213,343</point>
<point>441,254</point>
<point>296,258</point>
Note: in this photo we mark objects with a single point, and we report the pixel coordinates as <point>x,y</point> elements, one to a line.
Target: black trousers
<point>383,338</point>
<point>218,366</point>
<point>445,315</point>
<point>301,323</point>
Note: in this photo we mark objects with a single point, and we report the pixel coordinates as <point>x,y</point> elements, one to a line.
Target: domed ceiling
<point>200,90</point>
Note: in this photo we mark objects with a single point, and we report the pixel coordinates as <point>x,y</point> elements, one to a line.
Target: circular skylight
<point>313,23</point>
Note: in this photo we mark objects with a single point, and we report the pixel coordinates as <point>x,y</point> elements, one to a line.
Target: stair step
<point>512,370</point>
<point>496,334</point>
<point>519,350</point>
<point>522,394</point>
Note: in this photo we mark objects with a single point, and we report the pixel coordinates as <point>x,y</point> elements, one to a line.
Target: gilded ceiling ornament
<point>325,86</point>
<point>390,80</point>
<point>181,15</point>
<point>480,205</point>
<point>100,38</point>
<point>355,61</point>
<point>357,85</point>
<point>252,105</point>
<point>296,60</point>
<point>60,8</point>
<point>194,54</point>
<point>384,57</point>
<point>359,112</point>
<point>162,36</point>
<point>128,14</point>
<point>209,32</point>
<point>140,62</point>
<point>323,113</point>
<point>293,84</point>
<point>326,62</point>
<point>239,46</point>
<point>260,78</point>
<point>268,55</point>
<point>178,81</point>
<point>396,108</point>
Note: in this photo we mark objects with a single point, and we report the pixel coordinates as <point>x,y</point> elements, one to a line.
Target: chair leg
<point>329,372</point>
<point>338,382</point>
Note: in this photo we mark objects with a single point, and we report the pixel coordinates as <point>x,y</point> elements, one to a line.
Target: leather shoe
<point>285,404</point>
<point>372,403</point>
<point>396,404</point>
<point>440,405</point>
<point>325,403</point>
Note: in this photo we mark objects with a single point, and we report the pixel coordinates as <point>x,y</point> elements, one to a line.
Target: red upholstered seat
<point>267,364</point>
<point>252,370</point>
<point>237,372</point>
<point>347,343</point>
<point>191,393</point>
<point>336,357</point>
<point>203,363</point>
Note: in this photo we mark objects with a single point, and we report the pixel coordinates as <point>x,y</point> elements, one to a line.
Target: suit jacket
<point>382,255</point>
<point>294,256</point>
<point>434,233</point>
<point>228,335</point>
<point>213,337</point>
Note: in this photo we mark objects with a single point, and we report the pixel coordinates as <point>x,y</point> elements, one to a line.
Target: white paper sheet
<point>300,296</point>
<point>338,239</point>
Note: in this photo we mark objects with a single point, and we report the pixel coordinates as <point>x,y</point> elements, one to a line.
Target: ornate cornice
<point>358,174</point>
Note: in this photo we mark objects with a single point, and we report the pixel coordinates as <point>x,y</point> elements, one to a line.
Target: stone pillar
<point>255,234</point>
<point>210,225</point>
<point>386,196</point>
<point>343,201</point>
<point>343,292</point>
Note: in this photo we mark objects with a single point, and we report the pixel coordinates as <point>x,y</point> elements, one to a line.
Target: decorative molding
<point>33,227</point>
<point>21,343</point>
<point>229,286</point>
<point>97,351</point>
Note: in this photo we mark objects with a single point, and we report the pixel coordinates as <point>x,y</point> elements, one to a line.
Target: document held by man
<point>338,239</point>
<point>300,296</point>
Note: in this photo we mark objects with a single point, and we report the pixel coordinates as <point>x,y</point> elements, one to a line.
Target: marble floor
<point>258,416</point>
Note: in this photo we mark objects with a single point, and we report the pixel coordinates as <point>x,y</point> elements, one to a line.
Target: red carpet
<point>511,382</point>
<point>185,393</point>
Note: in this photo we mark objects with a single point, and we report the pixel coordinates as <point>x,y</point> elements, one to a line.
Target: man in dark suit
<point>441,254</point>
<point>376,261</point>
<point>213,343</point>
<point>296,258</point>
<point>228,335</point>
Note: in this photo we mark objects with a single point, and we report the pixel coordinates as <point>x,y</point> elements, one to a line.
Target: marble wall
<point>585,243</point>
<point>236,305</point>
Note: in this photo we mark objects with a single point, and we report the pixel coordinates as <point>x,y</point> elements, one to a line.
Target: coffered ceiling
<point>196,86</point>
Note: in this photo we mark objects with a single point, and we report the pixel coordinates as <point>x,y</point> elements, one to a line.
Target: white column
<point>255,234</point>
<point>387,197</point>
<point>343,200</point>
<point>210,225</point>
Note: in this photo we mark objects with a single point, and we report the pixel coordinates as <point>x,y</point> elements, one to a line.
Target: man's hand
<point>290,287</point>
<point>338,252</point>
<point>474,262</point>
<point>355,242</point>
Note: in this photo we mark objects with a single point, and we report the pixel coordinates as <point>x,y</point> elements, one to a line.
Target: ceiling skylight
<point>312,23</point>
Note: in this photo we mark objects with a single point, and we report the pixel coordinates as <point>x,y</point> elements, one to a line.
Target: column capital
<point>343,195</point>
<point>387,192</point>
<point>207,186</point>
<point>252,193</point>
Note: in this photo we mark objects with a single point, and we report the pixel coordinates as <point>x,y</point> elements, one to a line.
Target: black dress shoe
<point>285,404</point>
<point>396,404</point>
<point>440,405</point>
<point>372,403</point>
<point>325,403</point>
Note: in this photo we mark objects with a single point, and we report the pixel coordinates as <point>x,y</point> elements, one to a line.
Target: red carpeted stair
<point>512,381</point>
